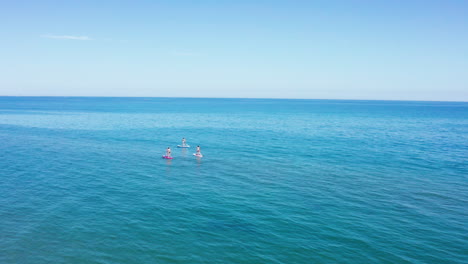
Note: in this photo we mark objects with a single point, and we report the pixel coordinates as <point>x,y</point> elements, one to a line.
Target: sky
<point>385,50</point>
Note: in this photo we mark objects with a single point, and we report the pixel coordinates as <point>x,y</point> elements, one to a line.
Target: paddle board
<point>166,157</point>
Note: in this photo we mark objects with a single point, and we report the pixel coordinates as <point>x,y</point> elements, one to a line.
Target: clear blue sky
<point>403,50</point>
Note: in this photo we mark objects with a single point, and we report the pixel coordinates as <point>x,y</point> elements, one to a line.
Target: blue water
<point>281,181</point>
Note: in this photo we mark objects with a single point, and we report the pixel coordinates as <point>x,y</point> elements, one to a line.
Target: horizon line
<point>265,98</point>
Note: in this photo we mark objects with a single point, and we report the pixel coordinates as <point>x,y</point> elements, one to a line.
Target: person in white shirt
<point>168,152</point>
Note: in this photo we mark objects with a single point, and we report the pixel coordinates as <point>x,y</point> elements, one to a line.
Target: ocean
<point>281,181</point>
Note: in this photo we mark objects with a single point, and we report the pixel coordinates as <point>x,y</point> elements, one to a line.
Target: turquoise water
<point>281,181</point>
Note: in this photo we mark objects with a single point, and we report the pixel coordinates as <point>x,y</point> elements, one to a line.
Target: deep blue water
<point>281,181</point>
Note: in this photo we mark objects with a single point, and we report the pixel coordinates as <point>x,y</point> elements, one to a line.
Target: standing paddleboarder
<point>168,152</point>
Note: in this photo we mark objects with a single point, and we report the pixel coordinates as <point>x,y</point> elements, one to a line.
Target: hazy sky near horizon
<point>392,50</point>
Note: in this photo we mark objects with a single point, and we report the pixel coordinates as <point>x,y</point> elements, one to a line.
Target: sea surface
<point>281,181</point>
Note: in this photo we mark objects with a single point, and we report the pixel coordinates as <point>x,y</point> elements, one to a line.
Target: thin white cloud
<point>67,37</point>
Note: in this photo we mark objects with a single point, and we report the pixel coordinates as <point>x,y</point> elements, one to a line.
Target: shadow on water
<point>199,161</point>
<point>168,163</point>
<point>184,152</point>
